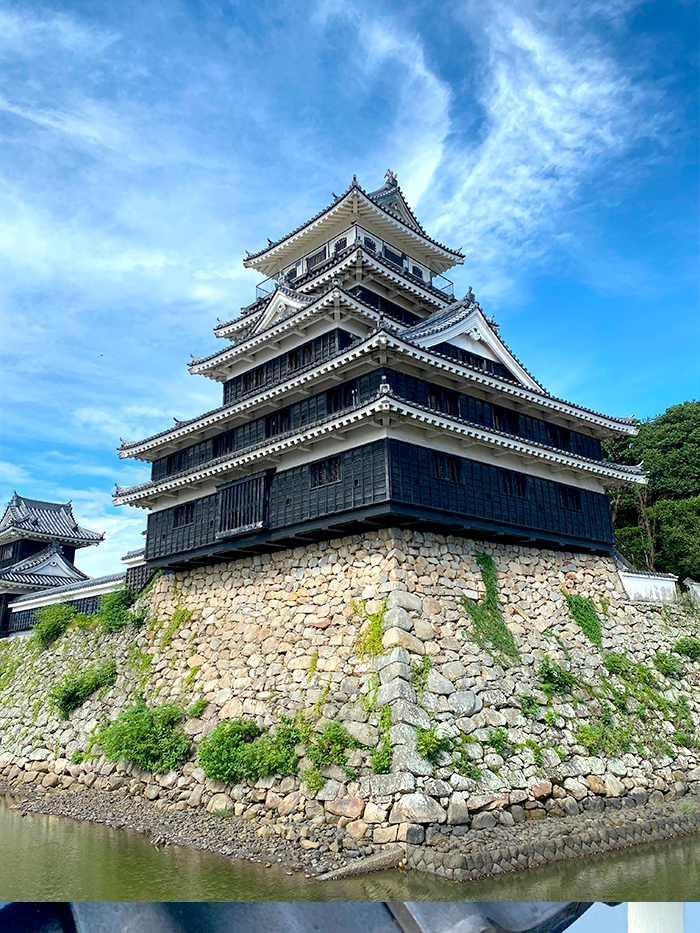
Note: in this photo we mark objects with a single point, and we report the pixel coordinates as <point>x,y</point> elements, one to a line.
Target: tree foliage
<point>657,527</point>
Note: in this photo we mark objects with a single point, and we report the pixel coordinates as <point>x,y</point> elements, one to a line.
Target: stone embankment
<point>276,635</point>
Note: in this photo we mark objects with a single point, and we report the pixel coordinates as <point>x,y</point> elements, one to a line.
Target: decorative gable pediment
<point>284,301</point>
<point>463,324</point>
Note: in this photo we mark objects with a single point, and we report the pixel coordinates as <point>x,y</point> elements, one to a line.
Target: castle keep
<point>358,394</point>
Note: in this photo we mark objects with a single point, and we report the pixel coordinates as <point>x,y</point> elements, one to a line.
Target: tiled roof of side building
<point>45,519</point>
<point>74,588</point>
<point>29,570</point>
<point>353,185</point>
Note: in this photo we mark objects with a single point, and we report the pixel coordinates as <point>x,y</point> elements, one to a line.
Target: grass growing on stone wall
<point>115,608</point>
<point>582,611</point>
<point>688,646</point>
<point>605,739</point>
<point>313,778</point>
<point>195,709</point>
<point>421,669</point>
<point>668,665</point>
<point>148,736</point>
<point>431,745</point>
<point>76,688</point>
<point>554,679</point>
<point>181,618</point>
<point>461,762</point>
<point>369,642</point>
<point>489,628</point>
<point>529,705</point>
<point>382,756</point>
<point>331,745</point>
<point>52,622</point>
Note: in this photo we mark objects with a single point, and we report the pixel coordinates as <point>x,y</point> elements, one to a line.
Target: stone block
<point>494,698</point>
<point>152,792</point>
<point>382,785</point>
<point>412,833</point>
<point>541,790</point>
<point>577,789</point>
<point>356,829</point>
<point>374,813</point>
<point>464,703</point>
<point>484,820</point>
<point>366,735</point>
<point>383,834</point>
<point>331,790</point>
<point>289,803</point>
<point>396,654</point>
<point>220,802</point>
<point>404,600</point>
<point>436,683</point>
<point>396,689</point>
<point>409,713</point>
<point>458,811</point>
<point>350,807</point>
<point>613,787</point>
<point>394,670</point>
<point>417,808</point>
<point>50,780</point>
<point>402,734</point>
<point>435,788</point>
<point>423,629</point>
<point>399,618</point>
<point>406,758</point>
<point>397,638</point>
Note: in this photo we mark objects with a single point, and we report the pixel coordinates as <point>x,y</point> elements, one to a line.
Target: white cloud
<point>11,473</point>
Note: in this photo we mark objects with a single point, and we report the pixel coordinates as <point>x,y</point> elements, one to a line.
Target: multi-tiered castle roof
<point>358,392</point>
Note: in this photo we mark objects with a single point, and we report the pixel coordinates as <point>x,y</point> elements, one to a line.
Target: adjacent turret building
<point>359,393</point>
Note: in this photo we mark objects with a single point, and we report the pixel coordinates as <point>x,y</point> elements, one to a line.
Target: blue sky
<point>147,145</point>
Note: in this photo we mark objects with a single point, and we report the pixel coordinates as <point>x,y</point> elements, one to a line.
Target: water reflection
<point>52,858</point>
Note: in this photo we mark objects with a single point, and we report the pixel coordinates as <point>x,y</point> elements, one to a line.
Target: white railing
<point>346,239</point>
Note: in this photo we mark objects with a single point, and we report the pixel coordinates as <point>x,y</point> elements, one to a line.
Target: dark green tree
<point>657,526</point>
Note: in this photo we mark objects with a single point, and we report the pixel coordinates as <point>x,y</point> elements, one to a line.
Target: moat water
<point>57,859</point>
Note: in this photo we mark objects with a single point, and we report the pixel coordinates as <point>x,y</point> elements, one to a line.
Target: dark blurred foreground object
<point>338,917</point>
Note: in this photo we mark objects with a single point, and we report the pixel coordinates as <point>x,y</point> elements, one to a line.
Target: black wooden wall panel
<point>163,539</point>
<point>480,495</point>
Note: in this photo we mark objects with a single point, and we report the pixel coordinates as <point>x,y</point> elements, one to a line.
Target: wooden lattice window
<point>176,463</point>
<point>325,472</point>
<point>417,271</point>
<point>302,356</point>
<point>316,258</point>
<point>279,423</point>
<point>444,400</point>
<point>570,498</point>
<point>514,484</point>
<point>505,420</point>
<point>370,244</point>
<point>254,379</point>
<point>396,258</point>
<point>341,398</point>
<point>183,515</point>
<point>340,244</point>
<point>447,468</point>
<point>559,437</point>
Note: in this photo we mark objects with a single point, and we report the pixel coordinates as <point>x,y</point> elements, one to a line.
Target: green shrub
<point>536,750</point>
<point>239,748</point>
<point>490,630</point>
<point>330,747</point>
<point>313,778</point>
<point>555,680</point>
<point>196,708</point>
<point>668,665</point>
<point>114,608</point>
<point>550,718</point>
<point>52,622</point>
<point>430,745</point>
<point>529,706</point>
<point>421,669</point>
<point>583,612</point>
<point>76,688</point>
<point>497,739</point>
<point>689,646</point>
<point>148,736</point>
<point>634,672</point>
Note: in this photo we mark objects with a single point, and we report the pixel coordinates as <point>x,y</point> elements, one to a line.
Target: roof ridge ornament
<point>392,180</point>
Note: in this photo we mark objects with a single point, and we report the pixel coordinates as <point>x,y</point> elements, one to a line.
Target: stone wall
<point>276,634</point>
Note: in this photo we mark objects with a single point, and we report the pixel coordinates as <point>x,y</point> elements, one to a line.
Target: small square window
<point>325,472</point>
<point>183,515</point>
<point>447,468</point>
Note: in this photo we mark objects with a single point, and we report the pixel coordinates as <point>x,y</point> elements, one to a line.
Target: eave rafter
<point>381,410</point>
<point>375,349</point>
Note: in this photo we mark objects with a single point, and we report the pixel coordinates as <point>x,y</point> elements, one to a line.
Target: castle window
<point>316,258</point>
<point>183,515</point>
<point>224,444</point>
<point>340,244</point>
<point>176,462</point>
<point>254,379</point>
<point>396,258</point>
<point>325,472</point>
<point>370,244</point>
<point>447,468</point>
<point>278,423</point>
<point>7,551</point>
<point>559,437</point>
<point>302,356</point>
<point>341,398</point>
<point>417,271</point>
<point>444,400</point>
<point>504,420</point>
<point>514,484</point>
<point>570,498</point>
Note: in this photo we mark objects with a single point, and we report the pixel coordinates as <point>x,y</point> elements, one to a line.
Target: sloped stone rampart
<point>277,634</point>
